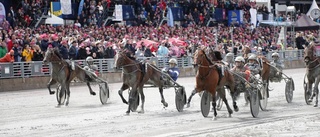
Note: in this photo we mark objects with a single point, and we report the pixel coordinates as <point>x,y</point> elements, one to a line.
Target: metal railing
<point>37,68</point>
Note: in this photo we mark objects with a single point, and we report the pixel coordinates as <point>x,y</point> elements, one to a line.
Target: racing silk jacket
<point>254,68</point>
<point>174,73</point>
<point>278,64</point>
<point>244,72</point>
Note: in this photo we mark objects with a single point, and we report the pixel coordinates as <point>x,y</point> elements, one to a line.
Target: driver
<point>253,65</point>
<point>90,67</point>
<point>173,70</point>
<point>277,63</point>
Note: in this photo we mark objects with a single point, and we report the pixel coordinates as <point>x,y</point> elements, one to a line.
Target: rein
<point>314,61</point>
<point>131,64</point>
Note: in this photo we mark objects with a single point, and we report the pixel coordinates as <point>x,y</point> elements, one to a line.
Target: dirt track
<point>33,113</point>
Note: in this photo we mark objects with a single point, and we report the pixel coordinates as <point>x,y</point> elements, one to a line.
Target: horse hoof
<point>309,100</point>
<point>93,93</point>
<point>52,92</point>
<point>230,115</point>
<point>188,105</point>
<point>58,106</point>
<point>127,113</point>
<point>165,104</point>
<point>214,118</point>
<point>230,112</point>
<point>315,105</point>
<point>236,109</point>
<point>141,112</point>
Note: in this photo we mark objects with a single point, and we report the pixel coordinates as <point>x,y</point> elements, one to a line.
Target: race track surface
<point>32,113</point>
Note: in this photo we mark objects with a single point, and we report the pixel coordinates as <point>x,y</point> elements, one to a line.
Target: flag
<point>66,7</point>
<point>170,18</point>
<point>80,7</point>
<point>2,12</point>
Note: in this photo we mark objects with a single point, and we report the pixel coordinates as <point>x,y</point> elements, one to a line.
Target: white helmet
<point>275,54</point>
<point>252,57</point>
<point>239,58</point>
<point>229,55</point>
<point>89,59</point>
<point>173,60</point>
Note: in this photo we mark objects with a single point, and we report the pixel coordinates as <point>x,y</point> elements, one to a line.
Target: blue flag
<point>80,7</point>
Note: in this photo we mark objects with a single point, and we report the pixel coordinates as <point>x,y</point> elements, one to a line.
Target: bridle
<point>199,64</point>
<point>128,65</point>
<point>313,61</point>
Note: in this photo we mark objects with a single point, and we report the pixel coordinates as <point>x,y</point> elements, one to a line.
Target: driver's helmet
<point>174,61</point>
<point>89,60</point>
<point>252,57</point>
<point>275,56</point>
<point>239,59</point>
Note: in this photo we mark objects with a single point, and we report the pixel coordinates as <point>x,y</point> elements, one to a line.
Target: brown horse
<point>135,76</point>
<point>207,79</point>
<point>313,73</point>
<point>62,73</point>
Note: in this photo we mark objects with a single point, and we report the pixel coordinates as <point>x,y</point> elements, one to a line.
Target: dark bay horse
<point>134,76</point>
<point>207,79</point>
<point>62,73</point>
<point>313,72</point>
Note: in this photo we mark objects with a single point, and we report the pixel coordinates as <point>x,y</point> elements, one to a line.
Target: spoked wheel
<point>104,92</point>
<point>306,94</point>
<point>60,95</point>
<point>135,103</point>
<point>264,96</point>
<point>205,103</point>
<point>219,99</point>
<point>289,90</point>
<point>180,98</point>
<point>254,102</point>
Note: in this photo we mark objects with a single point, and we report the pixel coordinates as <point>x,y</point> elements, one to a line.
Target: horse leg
<point>309,89</point>
<point>316,92</point>
<point>63,89</point>
<point>246,98</point>
<point>163,101</point>
<point>132,98</point>
<point>51,82</point>
<point>214,104</point>
<point>142,99</point>
<point>68,93</point>
<point>123,87</point>
<point>90,89</point>
<point>190,97</point>
<point>223,96</point>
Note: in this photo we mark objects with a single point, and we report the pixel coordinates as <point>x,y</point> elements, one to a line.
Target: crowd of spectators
<point>88,39</point>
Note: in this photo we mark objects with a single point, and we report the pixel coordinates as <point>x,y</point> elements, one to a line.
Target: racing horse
<point>62,73</point>
<point>207,79</point>
<point>134,76</point>
<point>313,72</point>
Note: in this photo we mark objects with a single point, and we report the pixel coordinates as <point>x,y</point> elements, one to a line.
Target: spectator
<point>27,54</point>
<point>73,51</point>
<point>37,54</point>
<point>109,52</point>
<point>63,48</point>
<point>8,57</point>
<point>82,52</point>
<point>3,49</point>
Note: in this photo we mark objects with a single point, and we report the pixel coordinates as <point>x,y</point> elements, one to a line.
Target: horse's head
<point>199,56</point>
<point>120,59</point>
<point>309,54</point>
<point>50,55</point>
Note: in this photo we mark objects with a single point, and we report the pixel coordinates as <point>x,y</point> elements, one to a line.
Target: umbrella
<point>146,43</point>
<point>177,41</point>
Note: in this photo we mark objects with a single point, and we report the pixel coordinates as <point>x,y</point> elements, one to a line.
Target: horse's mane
<point>57,53</point>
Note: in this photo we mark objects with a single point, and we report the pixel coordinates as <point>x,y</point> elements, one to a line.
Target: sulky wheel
<point>135,102</point>
<point>104,92</point>
<point>289,90</point>
<point>254,103</point>
<point>180,98</point>
<point>205,103</point>
<point>306,93</point>
<point>264,97</point>
<point>61,95</point>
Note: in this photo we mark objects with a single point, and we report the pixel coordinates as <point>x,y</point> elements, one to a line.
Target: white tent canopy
<point>313,6</point>
<point>54,20</point>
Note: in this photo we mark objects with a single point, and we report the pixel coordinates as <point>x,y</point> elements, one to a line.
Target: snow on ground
<point>34,113</point>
